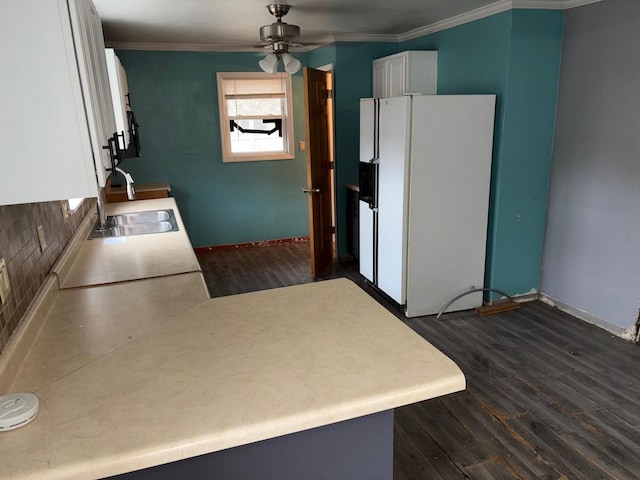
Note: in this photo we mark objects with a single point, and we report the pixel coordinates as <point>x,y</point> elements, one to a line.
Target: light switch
<point>5,286</point>
<point>301,145</point>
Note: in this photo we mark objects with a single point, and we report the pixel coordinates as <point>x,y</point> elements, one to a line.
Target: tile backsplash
<point>26,264</point>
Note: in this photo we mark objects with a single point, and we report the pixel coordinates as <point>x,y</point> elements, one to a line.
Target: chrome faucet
<point>131,193</point>
<point>102,214</point>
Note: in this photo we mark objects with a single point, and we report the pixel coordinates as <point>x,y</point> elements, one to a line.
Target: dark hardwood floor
<point>548,396</point>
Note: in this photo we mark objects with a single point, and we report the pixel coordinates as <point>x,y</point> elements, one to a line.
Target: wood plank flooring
<point>548,396</point>
<point>242,270</point>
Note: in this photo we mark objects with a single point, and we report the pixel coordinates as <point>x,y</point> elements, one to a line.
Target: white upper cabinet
<point>413,71</point>
<point>120,96</point>
<point>56,106</point>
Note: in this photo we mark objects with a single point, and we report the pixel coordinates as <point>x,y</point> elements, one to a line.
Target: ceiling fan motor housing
<point>279,32</point>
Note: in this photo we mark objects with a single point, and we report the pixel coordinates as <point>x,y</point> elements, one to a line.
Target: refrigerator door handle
<point>376,154</point>
<point>373,202</point>
<point>376,129</point>
<point>374,199</point>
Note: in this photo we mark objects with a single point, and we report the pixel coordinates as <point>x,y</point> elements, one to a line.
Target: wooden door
<point>319,178</point>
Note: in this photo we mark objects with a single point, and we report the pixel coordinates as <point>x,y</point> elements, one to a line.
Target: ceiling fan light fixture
<point>279,36</point>
<point>269,64</point>
<point>291,63</point>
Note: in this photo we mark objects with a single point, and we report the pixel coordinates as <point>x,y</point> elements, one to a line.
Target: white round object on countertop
<point>17,410</point>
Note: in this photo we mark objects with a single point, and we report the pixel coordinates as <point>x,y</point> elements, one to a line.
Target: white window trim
<point>288,133</point>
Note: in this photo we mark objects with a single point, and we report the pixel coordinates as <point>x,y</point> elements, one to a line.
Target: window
<point>256,116</point>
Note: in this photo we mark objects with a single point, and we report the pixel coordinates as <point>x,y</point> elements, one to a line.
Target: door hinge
<point>332,165</point>
<point>333,229</point>
<point>329,93</point>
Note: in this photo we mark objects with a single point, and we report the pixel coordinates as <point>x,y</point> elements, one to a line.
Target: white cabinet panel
<point>119,95</point>
<point>379,78</point>
<point>54,118</point>
<point>396,68</point>
<point>413,71</point>
<point>95,81</point>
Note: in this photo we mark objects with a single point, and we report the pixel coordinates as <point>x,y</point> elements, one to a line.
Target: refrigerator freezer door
<point>452,142</point>
<point>368,126</point>
<point>393,184</point>
<point>366,241</point>
<point>367,129</point>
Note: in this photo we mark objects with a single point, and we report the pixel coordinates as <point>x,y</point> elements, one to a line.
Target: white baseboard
<point>626,334</point>
<point>520,298</point>
<point>526,297</point>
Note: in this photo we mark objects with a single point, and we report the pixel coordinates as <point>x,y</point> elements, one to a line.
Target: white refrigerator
<point>425,170</point>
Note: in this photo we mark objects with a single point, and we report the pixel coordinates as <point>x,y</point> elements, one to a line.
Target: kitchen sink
<point>141,217</point>
<point>137,223</point>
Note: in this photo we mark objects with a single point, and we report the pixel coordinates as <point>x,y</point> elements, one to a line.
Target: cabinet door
<point>118,86</point>
<point>396,79</point>
<point>379,79</point>
<point>124,84</point>
<point>46,153</point>
<point>95,81</point>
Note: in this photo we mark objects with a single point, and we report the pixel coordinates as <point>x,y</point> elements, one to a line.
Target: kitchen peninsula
<point>173,381</point>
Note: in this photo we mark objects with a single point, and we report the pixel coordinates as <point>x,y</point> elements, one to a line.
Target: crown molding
<point>477,14</point>
<point>356,37</point>
<point>198,47</point>
<point>578,3</point>
<point>179,47</point>
<point>539,4</point>
<point>491,9</point>
<point>551,4</point>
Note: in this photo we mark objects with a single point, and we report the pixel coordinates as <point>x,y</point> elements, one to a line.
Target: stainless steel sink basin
<point>137,223</point>
<point>141,217</point>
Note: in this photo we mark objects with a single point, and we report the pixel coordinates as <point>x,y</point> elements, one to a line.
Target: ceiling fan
<point>280,36</point>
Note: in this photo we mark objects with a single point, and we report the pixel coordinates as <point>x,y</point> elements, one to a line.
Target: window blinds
<point>275,86</point>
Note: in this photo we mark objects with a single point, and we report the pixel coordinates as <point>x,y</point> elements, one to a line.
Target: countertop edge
<point>270,429</point>
<point>72,269</point>
<point>22,340</point>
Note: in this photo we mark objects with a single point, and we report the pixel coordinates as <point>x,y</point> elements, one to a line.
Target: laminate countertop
<point>135,366</point>
<point>119,259</point>
<point>226,372</point>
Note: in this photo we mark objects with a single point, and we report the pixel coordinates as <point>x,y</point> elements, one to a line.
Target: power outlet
<point>5,286</point>
<point>41,239</point>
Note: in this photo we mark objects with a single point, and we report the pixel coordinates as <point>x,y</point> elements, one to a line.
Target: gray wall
<point>591,257</point>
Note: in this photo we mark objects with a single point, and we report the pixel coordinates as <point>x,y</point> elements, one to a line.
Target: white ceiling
<point>233,25</point>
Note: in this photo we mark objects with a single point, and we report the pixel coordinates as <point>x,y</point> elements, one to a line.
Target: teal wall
<point>174,95</point>
<point>321,56</point>
<point>516,55</point>
<point>520,212</point>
